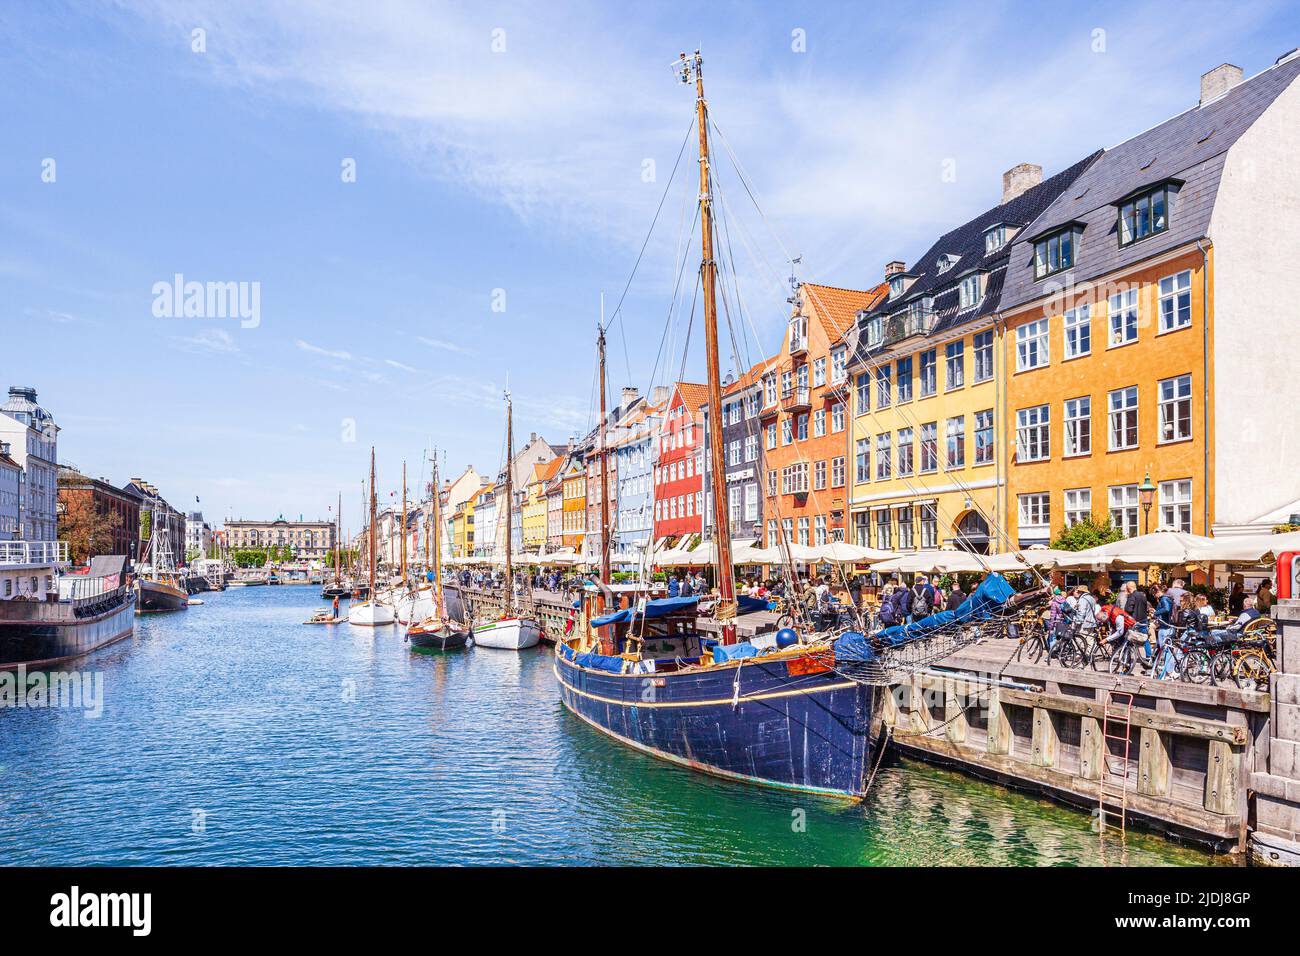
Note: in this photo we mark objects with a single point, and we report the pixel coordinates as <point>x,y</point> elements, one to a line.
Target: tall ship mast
<point>439,631</point>
<point>371,613</point>
<point>776,714</point>
<point>513,629</point>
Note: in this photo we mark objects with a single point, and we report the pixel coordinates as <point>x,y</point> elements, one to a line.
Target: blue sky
<point>522,169</point>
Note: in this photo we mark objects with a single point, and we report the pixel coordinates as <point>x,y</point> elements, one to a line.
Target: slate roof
<point>966,242</point>
<point>1191,147</point>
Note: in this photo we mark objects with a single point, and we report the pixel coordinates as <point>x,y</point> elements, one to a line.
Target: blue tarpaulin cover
<point>656,608</point>
<point>733,652</point>
<point>854,646</point>
<point>748,605</point>
<point>993,592</point>
<point>598,661</point>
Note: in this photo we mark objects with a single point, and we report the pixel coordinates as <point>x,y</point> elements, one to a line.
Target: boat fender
<point>786,637</point>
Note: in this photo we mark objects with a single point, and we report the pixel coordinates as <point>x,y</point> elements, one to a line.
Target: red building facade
<point>679,465</point>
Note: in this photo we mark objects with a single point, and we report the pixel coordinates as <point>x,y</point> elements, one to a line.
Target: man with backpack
<point>923,598</point>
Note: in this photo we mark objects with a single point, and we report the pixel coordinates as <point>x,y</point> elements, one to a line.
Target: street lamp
<point>1147,495</point>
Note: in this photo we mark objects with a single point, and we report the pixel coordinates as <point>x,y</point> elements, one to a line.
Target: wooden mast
<point>338,541</point>
<point>510,454</point>
<point>403,558</point>
<point>372,525</point>
<point>604,459</point>
<point>436,517</point>
<point>721,518</point>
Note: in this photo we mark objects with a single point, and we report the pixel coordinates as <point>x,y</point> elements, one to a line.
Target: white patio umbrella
<point>930,562</point>
<point>1246,548</point>
<point>1158,547</point>
<point>842,552</point>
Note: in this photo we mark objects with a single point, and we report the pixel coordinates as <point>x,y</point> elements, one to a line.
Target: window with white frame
<point>801,427</point>
<point>819,530</point>
<point>1078,505</point>
<point>929,526</point>
<point>1054,253</point>
<point>862,529</point>
<point>904,451</point>
<point>1124,317</point>
<point>1078,426</point>
<point>994,239</point>
<point>1176,301</point>
<point>771,483</point>
<point>984,437</point>
<point>875,331</point>
<point>839,364</point>
<point>882,457</point>
<point>837,417</point>
<point>863,393</point>
<point>929,447</point>
<point>982,346</point>
<point>905,527</point>
<point>1078,331</point>
<point>819,371</point>
<point>769,390</point>
<point>862,460</point>
<point>733,453</point>
<point>819,474</point>
<point>1176,505</point>
<point>1031,345</point>
<point>803,531</point>
<point>837,472</point>
<point>1123,418</point>
<point>968,291</point>
<point>751,447</point>
<point>819,423</point>
<point>954,430</point>
<point>1176,408</point>
<point>1035,515</point>
<point>751,502</point>
<point>787,431</point>
<point>884,530</point>
<point>954,364</point>
<point>1124,508</point>
<point>771,436</point>
<point>884,387</point>
<point>1033,433</point>
<point>929,378</point>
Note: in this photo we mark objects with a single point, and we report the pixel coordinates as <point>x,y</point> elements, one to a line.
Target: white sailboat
<point>513,630</point>
<point>372,613</point>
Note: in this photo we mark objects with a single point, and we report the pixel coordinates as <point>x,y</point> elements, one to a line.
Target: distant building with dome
<point>33,439</point>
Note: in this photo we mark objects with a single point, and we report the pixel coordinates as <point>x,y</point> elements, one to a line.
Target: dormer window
<point>968,292</point>
<point>946,262</point>
<point>994,239</point>
<point>896,286</point>
<point>1054,253</point>
<point>1145,215</point>
<point>874,332</point>
<point>798,333</point>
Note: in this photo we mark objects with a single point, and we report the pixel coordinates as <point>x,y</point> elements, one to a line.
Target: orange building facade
<point>804,415</point>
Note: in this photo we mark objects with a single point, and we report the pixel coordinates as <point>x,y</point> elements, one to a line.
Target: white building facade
<point>33,445</point>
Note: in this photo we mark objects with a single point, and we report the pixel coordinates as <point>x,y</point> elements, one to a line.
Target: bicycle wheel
<point>784,621</point>
<point>1251,671</point>
<point>1035,646</point>
<point>1222,667</point>
<point>1068,651</point>
<point>1122,658</point>
<point>1197,667</point>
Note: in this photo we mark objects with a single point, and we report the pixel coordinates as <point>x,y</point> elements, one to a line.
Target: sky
<point>424,203</point>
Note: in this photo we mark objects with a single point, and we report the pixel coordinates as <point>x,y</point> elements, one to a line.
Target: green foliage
<point>192,555</point>
<point>623,577</point>
<point>1217,597</point>
<point>1088,533</point>
<point>249,557</point>
<point>1284,528</point>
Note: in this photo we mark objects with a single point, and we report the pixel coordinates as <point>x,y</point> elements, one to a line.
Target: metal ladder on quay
<point>1117,723</point>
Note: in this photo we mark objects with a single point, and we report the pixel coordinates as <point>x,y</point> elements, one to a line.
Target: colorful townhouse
<point>679,466</point>
<point>487,538</point>
<point>925,374</point>
<point>742,440</point>
<point>573,481</point>
<point>1167,267</point>
<point>554,493</point>
<point>533,518</point>
<point>804,414</point>
<point>629,401</point>
<point>633,448</point>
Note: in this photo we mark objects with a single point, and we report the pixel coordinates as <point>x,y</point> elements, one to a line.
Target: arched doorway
<point>973,533</point>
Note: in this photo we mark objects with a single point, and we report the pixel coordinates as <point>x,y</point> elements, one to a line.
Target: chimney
<point>629,397</point>
<point>894,268</point>
<point>1218,81</point>
<point>532,437</point>
<point>1019,179</point>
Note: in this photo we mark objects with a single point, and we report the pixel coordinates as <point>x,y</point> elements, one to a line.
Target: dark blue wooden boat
<point>784,719</point>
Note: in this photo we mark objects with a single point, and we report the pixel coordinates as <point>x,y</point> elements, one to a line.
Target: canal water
<point>231,734</point>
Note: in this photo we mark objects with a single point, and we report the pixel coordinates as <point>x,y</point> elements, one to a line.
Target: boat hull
<point>36,643</point>
<point>154,596</point>
<point>414,607</point>
<point>510,634</point>
<point>369,614</point>
<point>440,639</point>
<point>803,732</point>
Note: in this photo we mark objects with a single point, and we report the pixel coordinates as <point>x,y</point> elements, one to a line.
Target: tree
<point>87,530</point>
<point>1088,533</point>
<point>249,558</point>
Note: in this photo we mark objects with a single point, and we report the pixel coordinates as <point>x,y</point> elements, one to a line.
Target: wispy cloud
<point>207,340</point>
<point>393,363</point>
<point>442,344</point>
<point>319,350</point>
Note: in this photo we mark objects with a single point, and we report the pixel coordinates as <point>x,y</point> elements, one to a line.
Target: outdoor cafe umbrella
<point>1245,548</point>
<point>1144,550</point>
<point>933,561</point>
<point>841,552</point>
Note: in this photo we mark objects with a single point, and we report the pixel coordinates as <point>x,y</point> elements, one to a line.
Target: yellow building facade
<point>923,460</point>
<point>1108,384</point>
<point>533,517</point>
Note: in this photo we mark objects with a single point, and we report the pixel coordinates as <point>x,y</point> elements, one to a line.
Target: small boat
<point>437,631</point>
<point>432,635</point>
<point>513,630</point>
<point>161,587</point>
<point>324,618</point>
<point>371,613</point>
<point>194,602</point>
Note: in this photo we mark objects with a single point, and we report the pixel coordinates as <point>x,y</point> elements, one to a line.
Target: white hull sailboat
<point>370,614</point>
<point>414,607</point>
<point>509,634</point>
